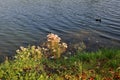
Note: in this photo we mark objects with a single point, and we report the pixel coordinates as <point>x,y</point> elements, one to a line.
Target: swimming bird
<point>99,20</point>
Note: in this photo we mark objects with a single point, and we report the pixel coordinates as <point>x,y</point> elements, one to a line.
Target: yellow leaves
<point>68,77</point>
<point>64,45</point>
<point>29,52</point>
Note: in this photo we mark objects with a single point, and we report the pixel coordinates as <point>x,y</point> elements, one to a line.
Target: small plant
<point>53,47</point>
<point>30,52</point>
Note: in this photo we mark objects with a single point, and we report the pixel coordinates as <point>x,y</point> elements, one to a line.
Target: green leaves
<point>34,63</point>
<point>29,53</point>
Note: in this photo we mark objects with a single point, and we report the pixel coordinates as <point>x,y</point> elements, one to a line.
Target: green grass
<point>103,64</point>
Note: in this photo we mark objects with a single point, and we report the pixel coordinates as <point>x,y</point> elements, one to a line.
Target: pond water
<point>24,22</point>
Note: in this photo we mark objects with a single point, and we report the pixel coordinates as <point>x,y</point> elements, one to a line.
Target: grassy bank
<point>103,64</point>
<point>46,62</point>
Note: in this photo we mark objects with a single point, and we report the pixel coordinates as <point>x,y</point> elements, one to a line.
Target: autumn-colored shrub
<point>53,47</point>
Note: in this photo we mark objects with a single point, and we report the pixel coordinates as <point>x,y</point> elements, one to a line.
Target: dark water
<point>24,22</point>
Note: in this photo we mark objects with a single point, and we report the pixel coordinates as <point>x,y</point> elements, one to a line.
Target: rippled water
<point>24,22</point>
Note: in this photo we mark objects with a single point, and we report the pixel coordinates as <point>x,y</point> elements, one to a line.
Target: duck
<point>99,20</point>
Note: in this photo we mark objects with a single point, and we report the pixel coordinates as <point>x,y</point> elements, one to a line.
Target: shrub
<point>53,47</point>
<point>29,52</point>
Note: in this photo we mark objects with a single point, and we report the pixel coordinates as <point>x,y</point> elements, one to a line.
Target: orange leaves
<point>116,76</point>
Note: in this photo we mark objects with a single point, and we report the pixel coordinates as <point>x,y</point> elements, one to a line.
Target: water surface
<point>24,22</point>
